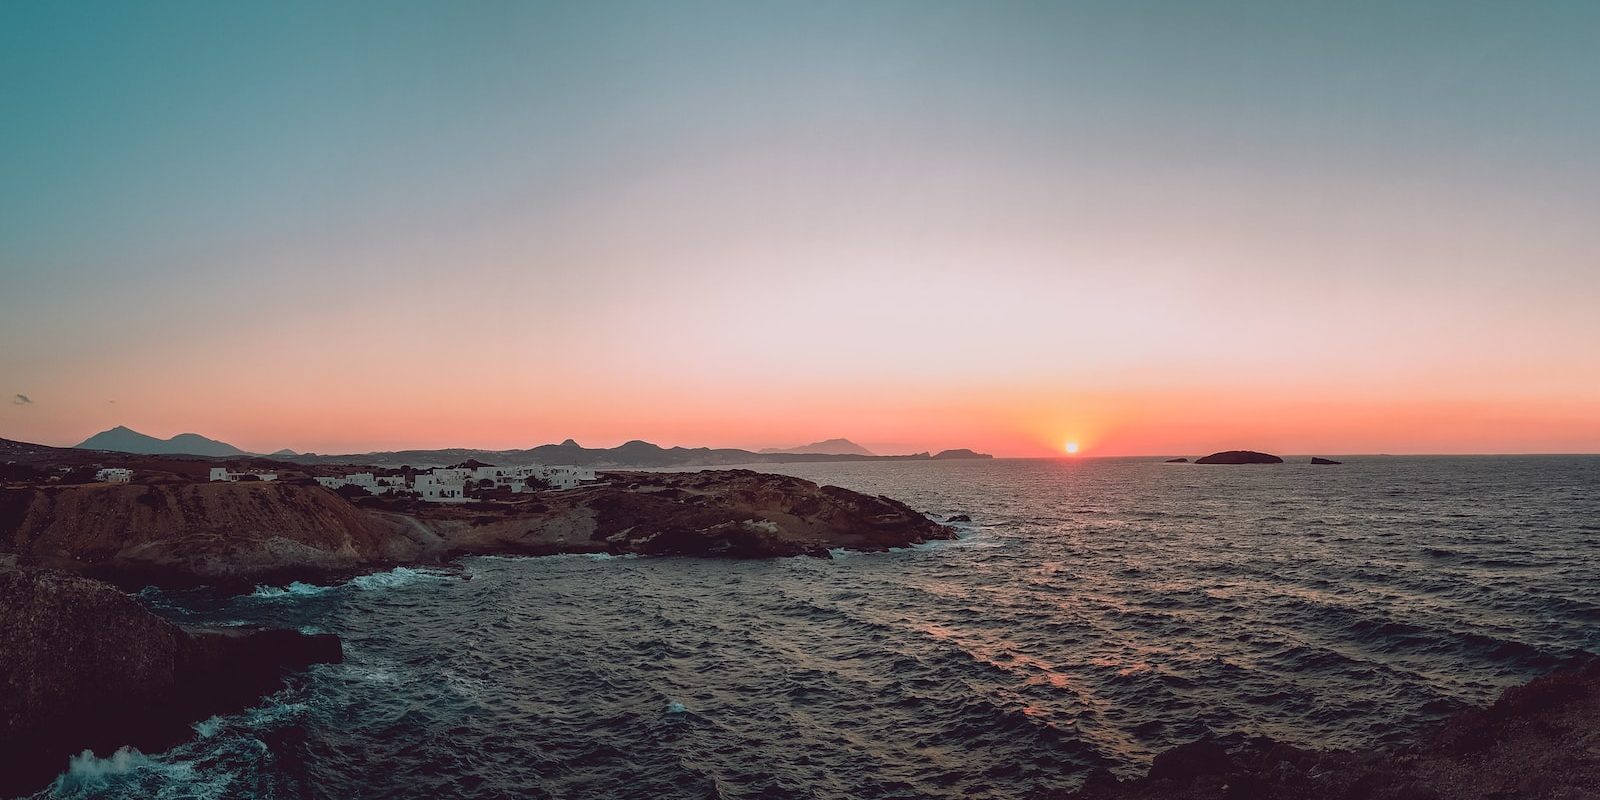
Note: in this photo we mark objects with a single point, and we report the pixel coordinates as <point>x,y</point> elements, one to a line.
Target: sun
<point>1072,448</point>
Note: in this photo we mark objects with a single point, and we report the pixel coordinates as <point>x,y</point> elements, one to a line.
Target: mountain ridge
<point>123,439</point>
<point>834,447</point>
<point>633,453</point>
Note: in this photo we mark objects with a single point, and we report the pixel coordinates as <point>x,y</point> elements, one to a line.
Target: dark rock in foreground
<point>1316,460</point>
<point>84,666</point>
<point>1239,457</point>
<point>1541,740</point>
<point>959,518</point>
<point>1177,461</point>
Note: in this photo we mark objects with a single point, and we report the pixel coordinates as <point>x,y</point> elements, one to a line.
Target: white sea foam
<point>296,589</point>
<point>675,707</point>
<point>399,576</point>
<point>208,728</point>
<point>608,556</point>
<point>85,768</point>
<point>88,775</point>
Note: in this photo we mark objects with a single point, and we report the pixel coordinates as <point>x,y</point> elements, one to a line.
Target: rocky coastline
<point>234,535</point>
<point>1538,741</point>
<point>84,666</point>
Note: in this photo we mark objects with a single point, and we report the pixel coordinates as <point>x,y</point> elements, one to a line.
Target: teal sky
<point>799,220</point>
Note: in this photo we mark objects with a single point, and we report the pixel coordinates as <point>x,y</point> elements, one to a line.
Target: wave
<point>296,589</point>
<point>87,771</point>
<point>130,773</point>
<point>399,576</point>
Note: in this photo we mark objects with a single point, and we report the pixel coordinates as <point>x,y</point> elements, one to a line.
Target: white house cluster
<point>449,484</point>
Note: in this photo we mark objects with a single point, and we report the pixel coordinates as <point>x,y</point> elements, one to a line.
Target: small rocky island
<point>1324,461</point>
<point>1239,457</point>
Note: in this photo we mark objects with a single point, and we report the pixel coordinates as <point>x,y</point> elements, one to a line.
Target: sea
<point>1093,613</point>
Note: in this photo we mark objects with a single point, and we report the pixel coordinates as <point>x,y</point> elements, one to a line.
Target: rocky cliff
<point>84,666</point>
<point>208,531</point>
<point>732,513</point>
<point>240,533</point>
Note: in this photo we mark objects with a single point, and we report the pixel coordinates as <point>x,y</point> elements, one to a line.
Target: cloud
<point>21,400</point>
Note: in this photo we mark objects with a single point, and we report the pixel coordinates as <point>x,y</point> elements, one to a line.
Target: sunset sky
<point>1151,228</point>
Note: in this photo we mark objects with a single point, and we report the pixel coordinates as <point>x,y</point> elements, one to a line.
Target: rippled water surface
<point>1096,612</point>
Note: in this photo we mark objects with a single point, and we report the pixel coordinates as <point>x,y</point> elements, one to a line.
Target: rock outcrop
<point>170,534</point>
<point>1177,461</point>
<point>1541,740</point>
<point>84,666</point>
<point>237,534</point>
<point>732,513</point>
<point>1316,460</point>
<point>1239,457</point>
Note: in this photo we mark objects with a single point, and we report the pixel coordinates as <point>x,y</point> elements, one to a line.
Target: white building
<point>366,480</point>
<point>567,477</point>
<point>114,475</point>
<point>222,474</point>
<point>436,489</point>
<point>449,484</point>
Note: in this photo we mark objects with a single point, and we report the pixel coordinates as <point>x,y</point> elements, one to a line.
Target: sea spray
<point>399,576</point>
<point>295,589</point>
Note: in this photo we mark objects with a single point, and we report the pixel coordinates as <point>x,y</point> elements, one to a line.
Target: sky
<point>1149,228</point>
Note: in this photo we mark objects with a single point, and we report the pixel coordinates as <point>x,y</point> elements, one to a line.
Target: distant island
<point>636,453</point>
<point>832,447</point>
<point>1239,457</point>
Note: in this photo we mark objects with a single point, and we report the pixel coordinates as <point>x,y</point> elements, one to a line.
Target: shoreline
<point>1539,739</point>
<point>237,535</point>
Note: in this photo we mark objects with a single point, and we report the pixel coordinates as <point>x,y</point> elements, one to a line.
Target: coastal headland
<point>170,527</point>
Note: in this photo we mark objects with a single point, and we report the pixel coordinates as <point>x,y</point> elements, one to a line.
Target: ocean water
<point>1094,613</point>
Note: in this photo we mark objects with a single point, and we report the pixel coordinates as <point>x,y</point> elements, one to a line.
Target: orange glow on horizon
<point>371,412</point>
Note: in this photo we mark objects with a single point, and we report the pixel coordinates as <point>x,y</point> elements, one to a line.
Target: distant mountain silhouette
<point>122,439</point>
<point>284,452</point>
<point>832,447</point>
<point>636,453</point>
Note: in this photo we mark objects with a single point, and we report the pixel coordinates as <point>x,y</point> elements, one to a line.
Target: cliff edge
<point>84,666</point>
<point>238,534</point>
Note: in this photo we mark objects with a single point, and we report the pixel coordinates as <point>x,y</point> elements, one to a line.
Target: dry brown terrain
<point>177,533</point>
